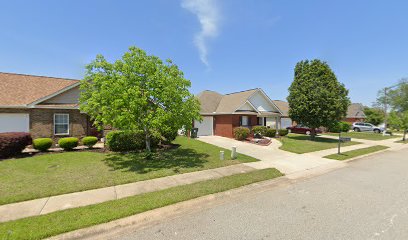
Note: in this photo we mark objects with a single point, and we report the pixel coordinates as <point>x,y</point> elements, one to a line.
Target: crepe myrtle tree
<point>316,98</point>
<point>138,92</point>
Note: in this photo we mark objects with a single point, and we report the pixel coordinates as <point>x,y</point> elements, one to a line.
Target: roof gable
<point>254,100</point>
<point>22,90</point>
<point>355,110</point>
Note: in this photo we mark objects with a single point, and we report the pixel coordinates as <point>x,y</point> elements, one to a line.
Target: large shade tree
<point>316,98</point>
<point>138,92</point>
<point>374,115</point>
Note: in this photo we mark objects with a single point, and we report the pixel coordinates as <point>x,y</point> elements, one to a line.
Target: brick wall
<point>42,122</point>
<point>225,124</point>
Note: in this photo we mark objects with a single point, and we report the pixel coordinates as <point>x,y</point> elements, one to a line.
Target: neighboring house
<point>43,106</point>
<point>355,113</point>
<point>286,121</point>
<point>222,113</point>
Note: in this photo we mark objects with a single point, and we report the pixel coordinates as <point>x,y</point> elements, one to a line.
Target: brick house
<point>43,106</point>
<point>222,113</point>
<point>355,113</point>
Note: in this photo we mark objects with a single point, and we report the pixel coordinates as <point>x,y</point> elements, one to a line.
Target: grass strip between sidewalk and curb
<point>356,153</point>
<point>52,224</point>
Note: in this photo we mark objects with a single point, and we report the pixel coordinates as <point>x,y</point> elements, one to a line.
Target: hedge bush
<point>68,143</point>
<point>259,130</point>
<point>241,133</point>
<point>89,141</point>
<point>12,143</point>
<point>169,135</point>
<point>283,132</point>
<point>42,144</point>
<point>270,132</point>
<point>340,127</point>
<point>123,141</point>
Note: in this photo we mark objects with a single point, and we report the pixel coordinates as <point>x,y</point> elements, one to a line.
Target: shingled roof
<point>22,90</point>
<point>215,103</point>
<point>355,110</point>
<point>283,106</point>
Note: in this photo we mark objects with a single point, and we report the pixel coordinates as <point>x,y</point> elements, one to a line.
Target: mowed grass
<point>298,143</point>
<point>364,135</point>
<point>68,220</point>
<point>355,153</point>
<point>54,174</point>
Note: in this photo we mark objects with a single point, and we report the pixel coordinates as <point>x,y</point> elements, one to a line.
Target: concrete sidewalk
<point>46,205</point>
<point>273,157</point>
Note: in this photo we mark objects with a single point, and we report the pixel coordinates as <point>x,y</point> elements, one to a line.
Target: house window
<point>244,121</point>
<point>61,124</point>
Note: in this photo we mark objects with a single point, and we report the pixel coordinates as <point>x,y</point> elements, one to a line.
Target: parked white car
<point>366,127</point>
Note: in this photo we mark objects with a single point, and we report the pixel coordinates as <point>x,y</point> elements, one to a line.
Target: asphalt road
<point>366,200</point>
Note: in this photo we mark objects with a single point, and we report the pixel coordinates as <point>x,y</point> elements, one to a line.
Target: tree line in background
<point>396,100</point>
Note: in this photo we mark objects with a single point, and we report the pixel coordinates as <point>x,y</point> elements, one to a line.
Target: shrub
<point>168,135</point>
<point>89,141</point>
<point>340,127</point>
<point>270,132</point>
<point>13,143</point>
<point>241,133</point>
<point>123,141</point>
<point>283,132</point>
<point>345,126</point>
<point>259,130</point>
<point>68,143</point>
<point>42,144</point>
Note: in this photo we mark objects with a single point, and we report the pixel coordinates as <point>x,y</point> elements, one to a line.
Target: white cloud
<point>208,15</point>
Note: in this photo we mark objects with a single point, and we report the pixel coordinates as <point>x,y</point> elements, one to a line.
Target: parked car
<point>302,129</point>
<point>366,127</point>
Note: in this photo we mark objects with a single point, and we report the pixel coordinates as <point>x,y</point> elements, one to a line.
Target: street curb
<point>370,154</point>
<point>154,216</point>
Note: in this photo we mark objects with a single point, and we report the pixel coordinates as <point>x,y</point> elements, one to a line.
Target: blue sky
<point>224,45</point>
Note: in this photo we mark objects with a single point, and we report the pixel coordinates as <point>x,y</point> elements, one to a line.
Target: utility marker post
<point>338,148</point>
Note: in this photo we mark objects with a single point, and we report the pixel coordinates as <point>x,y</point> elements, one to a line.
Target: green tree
<point>399,120</point>
<point>316,98</point>
<point>399,96</point>
<point>374,115</point>
<point>138,92</point>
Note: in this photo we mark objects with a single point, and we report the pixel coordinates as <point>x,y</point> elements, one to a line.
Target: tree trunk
<point>147,139</point>
<point>313,134</point>
<point>404,137</point>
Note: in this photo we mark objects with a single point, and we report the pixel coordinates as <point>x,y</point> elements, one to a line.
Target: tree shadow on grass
<point>175,159</point>
<point>316,139</point>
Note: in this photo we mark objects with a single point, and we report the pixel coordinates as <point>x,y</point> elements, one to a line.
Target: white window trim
<point>61,134</point>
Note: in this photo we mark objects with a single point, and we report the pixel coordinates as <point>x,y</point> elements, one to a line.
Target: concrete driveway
<point>272,156</point>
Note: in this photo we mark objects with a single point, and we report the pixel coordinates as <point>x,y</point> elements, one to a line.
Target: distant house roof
<point>22,90</point>
<point>216,103</point>
<point>283,106</point>
<point>355,110</point>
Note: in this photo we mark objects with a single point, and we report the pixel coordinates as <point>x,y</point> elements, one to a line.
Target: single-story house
<point>222,113</point>
<point>355,113</point>
<point>43,106</point>
<point>286,121</point>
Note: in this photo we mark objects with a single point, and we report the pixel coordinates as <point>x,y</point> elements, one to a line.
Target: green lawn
<point>357,152</point>
<point>54,174</point>
<point>364,135</point>
<point>68,220</point>
<point>404,142</point>
<point>298,143</point>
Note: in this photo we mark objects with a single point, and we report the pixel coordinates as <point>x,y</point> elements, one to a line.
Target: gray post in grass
<point>338,151</point>
<point>234,153</point>
<point>221,155</point>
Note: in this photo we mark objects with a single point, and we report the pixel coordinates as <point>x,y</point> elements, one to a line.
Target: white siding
<point>261,103</point>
